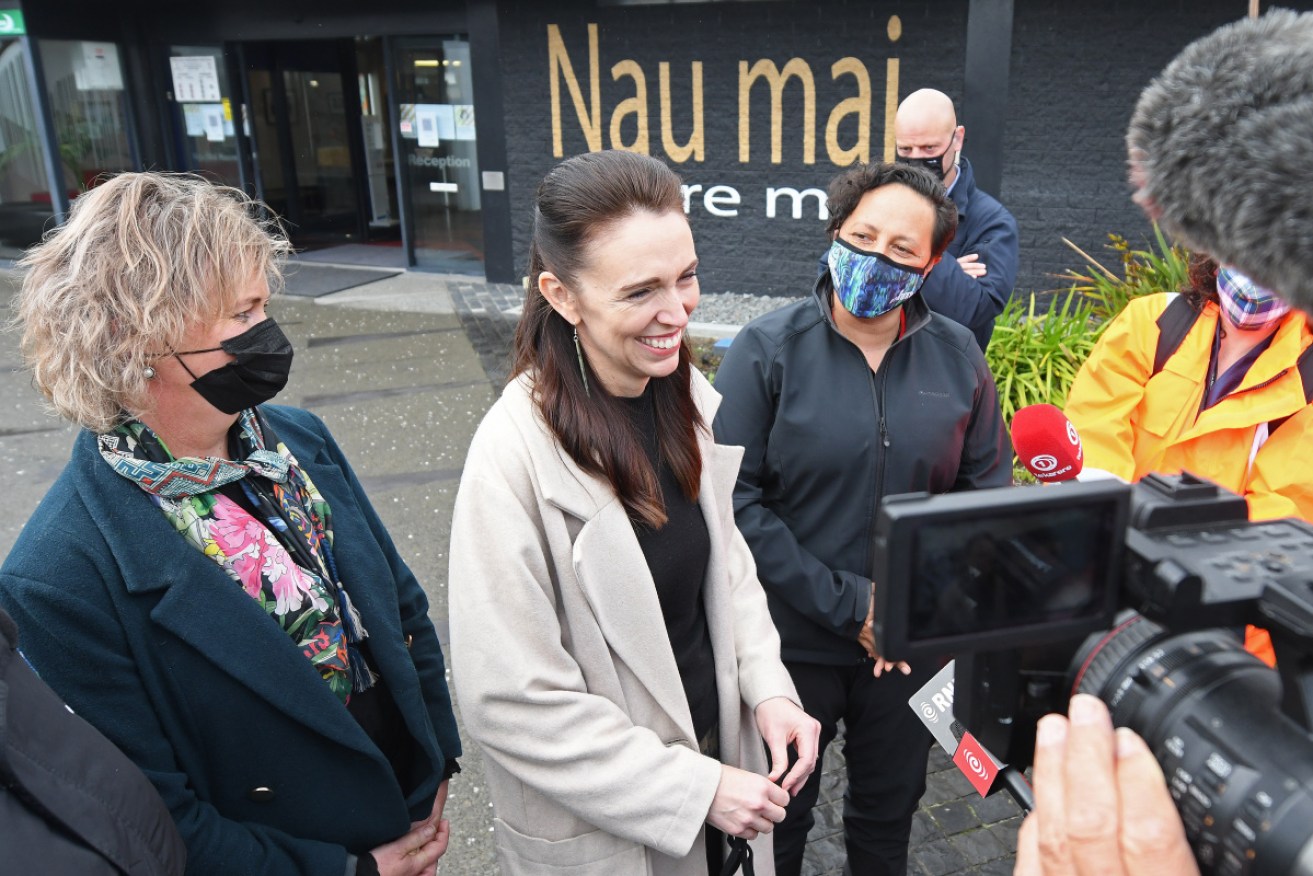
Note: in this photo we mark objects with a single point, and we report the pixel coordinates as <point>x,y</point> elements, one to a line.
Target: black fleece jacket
<point>826,439</point>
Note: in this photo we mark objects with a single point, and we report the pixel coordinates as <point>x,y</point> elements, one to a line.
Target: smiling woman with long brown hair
<point>611,646</point>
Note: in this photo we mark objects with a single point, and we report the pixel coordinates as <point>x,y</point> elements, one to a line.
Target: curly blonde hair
<point>143,258</point>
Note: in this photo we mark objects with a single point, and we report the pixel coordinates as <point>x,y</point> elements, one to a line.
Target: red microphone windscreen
<point>1046,443</point>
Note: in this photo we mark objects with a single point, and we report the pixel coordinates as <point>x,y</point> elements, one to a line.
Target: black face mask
<point>263,357</point>
<point>934,164</point>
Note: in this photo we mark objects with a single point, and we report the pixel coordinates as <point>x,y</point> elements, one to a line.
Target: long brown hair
<point>577,199</point>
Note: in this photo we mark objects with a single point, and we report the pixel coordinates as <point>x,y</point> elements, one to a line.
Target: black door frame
<point>402,174</point>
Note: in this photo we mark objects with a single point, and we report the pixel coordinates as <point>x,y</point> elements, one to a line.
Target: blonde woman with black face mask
<point>207,583</point>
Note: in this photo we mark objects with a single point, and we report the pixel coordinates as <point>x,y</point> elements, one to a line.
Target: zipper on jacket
<point>878,401</point>
<point>1257,386</point>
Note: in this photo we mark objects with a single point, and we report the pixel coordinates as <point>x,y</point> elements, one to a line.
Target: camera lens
<point>1241,772</point>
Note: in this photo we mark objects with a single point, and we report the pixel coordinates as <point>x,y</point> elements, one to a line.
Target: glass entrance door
<point>302,117</point>
<point>205,114</point>
<point>27,206</point>
<point>438,155</point>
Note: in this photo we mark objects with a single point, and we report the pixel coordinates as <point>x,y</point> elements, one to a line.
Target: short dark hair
<point>847,189</point>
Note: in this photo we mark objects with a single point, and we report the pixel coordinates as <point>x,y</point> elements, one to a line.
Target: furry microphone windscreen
<point>1221,150</point>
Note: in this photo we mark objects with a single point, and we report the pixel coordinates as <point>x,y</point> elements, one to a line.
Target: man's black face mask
<point>934,164</point>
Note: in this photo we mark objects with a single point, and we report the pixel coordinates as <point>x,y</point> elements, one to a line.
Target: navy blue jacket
<point>158,648</point>
<point>984,227</point>
<point>825,439</point>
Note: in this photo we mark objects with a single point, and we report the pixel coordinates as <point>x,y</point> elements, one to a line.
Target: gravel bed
<point>733,308</point>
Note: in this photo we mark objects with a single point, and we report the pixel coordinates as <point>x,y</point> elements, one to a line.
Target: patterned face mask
<point>1248,306</point>
<point>867,283</point>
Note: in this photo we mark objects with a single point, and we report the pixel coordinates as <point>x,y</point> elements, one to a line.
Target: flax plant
<point>1162,268</point>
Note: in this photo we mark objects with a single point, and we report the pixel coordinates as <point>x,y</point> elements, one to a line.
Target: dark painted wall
<point>749,252</point>
<point>1076,71</point>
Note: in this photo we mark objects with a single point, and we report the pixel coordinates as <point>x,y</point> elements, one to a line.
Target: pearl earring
<point>150,373</point>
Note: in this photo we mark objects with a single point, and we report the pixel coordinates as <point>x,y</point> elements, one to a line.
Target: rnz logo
<point>940,704</point>
<point>976,766</point>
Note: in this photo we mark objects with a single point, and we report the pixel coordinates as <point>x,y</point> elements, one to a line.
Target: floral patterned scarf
<point>282,556</point>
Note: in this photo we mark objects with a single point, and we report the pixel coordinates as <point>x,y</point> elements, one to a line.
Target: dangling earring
<point>150,373</point>
<point>583,372</point>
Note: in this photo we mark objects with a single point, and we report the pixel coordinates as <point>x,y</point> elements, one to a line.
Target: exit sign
<point>11,22</point>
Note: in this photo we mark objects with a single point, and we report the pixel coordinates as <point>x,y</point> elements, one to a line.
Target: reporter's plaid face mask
<point>1248,306</point>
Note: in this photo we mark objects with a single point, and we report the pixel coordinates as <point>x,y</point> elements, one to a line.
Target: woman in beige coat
<point>612,650</point>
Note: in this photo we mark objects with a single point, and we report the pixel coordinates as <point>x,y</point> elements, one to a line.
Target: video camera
<point>1138,595</point>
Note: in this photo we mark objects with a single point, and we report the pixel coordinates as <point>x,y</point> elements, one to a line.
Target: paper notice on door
<point>193,119</point>
<point>406,122</point>
<point>212,115</point>
<point>464,121</point>
<point>98,69</point>
<point>195,78</point>
<point>426,124</point>
<point>446,120</point>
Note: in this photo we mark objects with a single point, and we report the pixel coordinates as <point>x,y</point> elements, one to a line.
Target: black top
<point>825,440</point>
<point>70,801</point>
<point>677,556</point>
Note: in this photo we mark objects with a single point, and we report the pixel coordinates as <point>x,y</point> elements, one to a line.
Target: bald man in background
<point>973,282</point>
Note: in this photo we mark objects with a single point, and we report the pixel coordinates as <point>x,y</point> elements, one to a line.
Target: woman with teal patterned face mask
<point>879,257</point>
<point>857,393</point>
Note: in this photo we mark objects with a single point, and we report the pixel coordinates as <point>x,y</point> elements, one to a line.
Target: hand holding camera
<point>1101,803</point>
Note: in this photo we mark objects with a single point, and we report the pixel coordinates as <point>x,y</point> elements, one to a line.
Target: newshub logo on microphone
<point>1043,464</point>
<point>1047,443</point>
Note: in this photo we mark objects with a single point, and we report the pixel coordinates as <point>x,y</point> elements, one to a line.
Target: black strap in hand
<point>740,855</point>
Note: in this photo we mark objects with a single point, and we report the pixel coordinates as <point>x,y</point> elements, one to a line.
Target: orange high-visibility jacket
<point>1255,442</point>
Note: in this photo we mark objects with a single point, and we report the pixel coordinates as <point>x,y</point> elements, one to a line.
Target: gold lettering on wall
<point>890,106</point>
<point>859,105</point>
<point>776,78</point>
<point>895,31</point>
<point>695,147</point>
<point>590,115</point>
<point>635,106</point>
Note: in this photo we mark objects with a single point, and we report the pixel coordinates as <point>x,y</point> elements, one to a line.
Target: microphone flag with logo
<point>933,704</point>
<point>1047,444</point>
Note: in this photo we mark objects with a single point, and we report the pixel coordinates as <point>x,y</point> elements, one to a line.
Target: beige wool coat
<point>563,669</point>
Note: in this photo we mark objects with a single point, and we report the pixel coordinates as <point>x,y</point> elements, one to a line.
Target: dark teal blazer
<point>262,768</point>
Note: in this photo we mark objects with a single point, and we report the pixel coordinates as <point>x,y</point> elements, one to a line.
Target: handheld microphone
<point>1047,444</point>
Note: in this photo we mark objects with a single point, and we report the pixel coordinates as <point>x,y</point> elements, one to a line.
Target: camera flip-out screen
<point>995,569</point>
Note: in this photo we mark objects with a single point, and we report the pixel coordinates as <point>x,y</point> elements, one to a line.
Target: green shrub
<point>1035,354</point>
